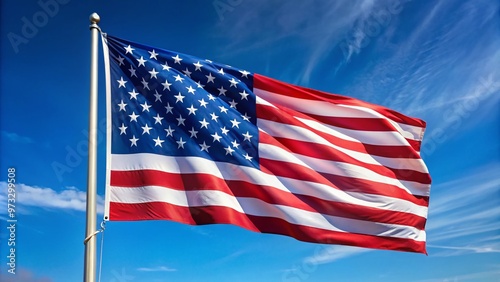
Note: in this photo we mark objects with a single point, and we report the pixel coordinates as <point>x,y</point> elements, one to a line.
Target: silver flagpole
<point>90,240</point>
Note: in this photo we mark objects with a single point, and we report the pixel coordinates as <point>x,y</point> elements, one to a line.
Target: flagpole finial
<point>94,18</point>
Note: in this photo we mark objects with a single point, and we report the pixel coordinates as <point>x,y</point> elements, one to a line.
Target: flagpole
<point>90,240</point>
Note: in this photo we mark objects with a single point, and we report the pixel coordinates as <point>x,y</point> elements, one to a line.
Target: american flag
<point>198,142</point>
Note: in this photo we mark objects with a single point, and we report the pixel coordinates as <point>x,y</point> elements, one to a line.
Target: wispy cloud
<point>425,74</point>
<point>322,255</point>
<point>23,275</point>
<point>333,253</point>
<point>315,27</point>
<point>230,257</point>
<point>156,269</point>
<point>69,198</point>
<point>16,138</point>
<point>464,213</point>
<point>477,276</point>
<point>461,250</point>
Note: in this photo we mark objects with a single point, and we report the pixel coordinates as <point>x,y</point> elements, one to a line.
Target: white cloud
<point>156,269</point>
<point>16,138</point>
<point>491,275</point>
<point>22,275</point>
<point>316,28</point>
<point>437,69</point>
<point>454,251</point>
<point>463,214</point>
<point>334,252</point>
<point>69,198</point>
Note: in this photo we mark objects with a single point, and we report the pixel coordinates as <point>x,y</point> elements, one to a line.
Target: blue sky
<point>435,60</point>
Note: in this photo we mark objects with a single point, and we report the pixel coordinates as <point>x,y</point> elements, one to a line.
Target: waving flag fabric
<point>198,142</point>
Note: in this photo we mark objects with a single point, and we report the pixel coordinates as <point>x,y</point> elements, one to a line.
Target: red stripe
<point>223,215</point>
<point>364,124</point>
<point>343,183</point>
<point>324,152</point>
<point>271,195</point>
<point>279,87</point>
<point>277,115</point>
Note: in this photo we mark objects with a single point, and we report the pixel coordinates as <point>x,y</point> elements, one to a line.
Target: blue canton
<point>178,105</point>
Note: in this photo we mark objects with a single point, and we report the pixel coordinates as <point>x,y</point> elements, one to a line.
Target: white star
<point>187,72</point>
<point>229,150</point>
<point>210,78</point>
<point>166,85</point>
<point>233,82</point>
<point>180,143</point>
<point>158,118</point>
<point>248,157</point>
<point>132,71</point>
<point>214,117</point>
<point>245,117</point>
<point>211,97</point>
<point>199,85</point>
<point>169,108</point>
<point>123,129</point>
<point>179,97</point>
<point>192,110</point>
<point>153,73</point>
<point>146,129</point>
<point>157,96</point>
<point>141,62</point>
<point>222,91</point>
<point>223,109</point>
<point>177,59</point>
<point>235,144</point>
<point>180,120</point>
<point>145,106</point>
<point>233,104</point>
<point>244,73</point>
<point>204,123</point>
<point>145,84</point>
<point>166,66</point>
<point>122,106</point>
<point>133,117</point>
<point>216,137</point>
<point>197,66</point>
<point>235,123</point>
<point>221,71</point>
<point>190,89</point>
<point>158,141</point>
<point>170,131</point>
<point>134,141</point>
<point>247,136</point>
<point>153,54</point>
<point>120,60</point>
<point>203,103</point>
<point>129,49</point>
<point>178,78</point>
<point>133,94</point>
<point>193,133</point>
<point>244,95</point>
<point>121,82</point>
<point>224,130</point>
<point>204,147</point>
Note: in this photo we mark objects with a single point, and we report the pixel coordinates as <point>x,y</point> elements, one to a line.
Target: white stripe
<point>256,207</point>
<point>272,152</point>
<point>382,138</point>
<point>298,133</point>
<point>230,171</point>
<point>107,72</point>
<point>335,110</point>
